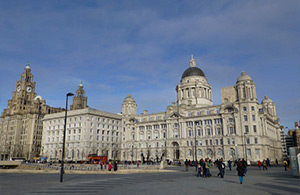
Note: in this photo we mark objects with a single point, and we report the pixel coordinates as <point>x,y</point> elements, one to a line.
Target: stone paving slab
<point>273,181</point>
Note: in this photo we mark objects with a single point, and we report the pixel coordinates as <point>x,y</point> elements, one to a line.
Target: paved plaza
<point>177,181</point>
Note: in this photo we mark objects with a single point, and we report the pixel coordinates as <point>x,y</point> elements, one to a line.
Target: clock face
<point>28,89</point>
<point>18,88</point>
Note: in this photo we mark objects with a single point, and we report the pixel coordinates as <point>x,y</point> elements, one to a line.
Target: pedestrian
<point>109,166</point>
<point>222,168</point>
<point>218,164</point>
<point>202,163</point>
<point>115,166</point>
<point>259,164</point>
<point>285,164</point>
<point>207,166</point>
<point>244,163</point>
<point>229,164</point>
<point>186,165</point>
<point>264,164</point>
<point>276,162</point>
<point>199,171</point>
<point>268,162</point>
<point>137,164</point>
<point>240,169</point>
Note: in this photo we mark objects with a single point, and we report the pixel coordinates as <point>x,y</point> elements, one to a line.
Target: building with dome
<point>193,128</point>
<point>20,124</point>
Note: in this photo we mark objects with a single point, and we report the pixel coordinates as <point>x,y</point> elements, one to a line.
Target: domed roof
<point>192,70</point>
<point>266,100</point>
<point>28,65</point>
<point>244,77</point>
<point>129,98</point>
<point>38,98</point>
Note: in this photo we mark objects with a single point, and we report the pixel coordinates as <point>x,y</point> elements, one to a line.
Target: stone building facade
<point>20,125</point>
<point>194,128</point>
<point>88,131</point>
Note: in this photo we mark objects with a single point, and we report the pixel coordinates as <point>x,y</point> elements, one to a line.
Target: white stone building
<point>88,131</point>
<point>193,127</point>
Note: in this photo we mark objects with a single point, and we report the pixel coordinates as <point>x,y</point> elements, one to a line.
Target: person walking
<point>285,164</point>
<point>240,169</point>
<point>229,164</point>
<point>115,166</point>
<point>202,163</point>
<point>259,164</point>
<point>207,166</point>
<point>222,168</point>
<point>218,164</point>
<point>186,165</point>
<point>264,164</point>
<point>199,171</point>
<point>109,166</point>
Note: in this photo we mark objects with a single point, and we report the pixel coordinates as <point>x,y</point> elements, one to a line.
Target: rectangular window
<point>246,129</point>
<point>244,108</point>
<point>255,140</point>
<point>248,140</point>
<point>208,131</point>
<point>249,152</point>
<point>228,141</point>
<point>252,108</point>
<point>245,118</point>
<point>233,141</point>
<point>253,117</point>
<point>257,153</point>
<point>231,130</point>
<point>254,128</point>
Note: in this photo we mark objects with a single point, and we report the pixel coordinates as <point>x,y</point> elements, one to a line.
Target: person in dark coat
<point>199,169</point>
<point>240,169</point>
<point>222,168</point>
<point>229,164</point>
<point>186,165</point>
<point>115,166</point>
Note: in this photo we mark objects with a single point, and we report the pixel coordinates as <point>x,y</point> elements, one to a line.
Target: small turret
<point>79,100</point>
<point>129,106</point>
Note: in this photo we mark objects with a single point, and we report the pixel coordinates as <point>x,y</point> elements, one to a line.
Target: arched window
<point>141,136</point>
<point>231,152</point>
<point>176,133</point>
<point>199,153</point>
<point>220,152</point>
<point>209,153</point>
<point>156,134</point>
<point>164,134</point>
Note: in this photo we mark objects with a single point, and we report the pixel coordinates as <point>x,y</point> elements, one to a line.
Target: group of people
<point>204,165</point>
<point>109,165</point>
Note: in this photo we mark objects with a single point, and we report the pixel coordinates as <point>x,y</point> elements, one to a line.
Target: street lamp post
<point>245,146</point>
<point>64,139</point>
<point>195,147</point>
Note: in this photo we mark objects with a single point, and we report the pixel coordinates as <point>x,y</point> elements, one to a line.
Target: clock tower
<point>21,125</point>
<point>24,95</point>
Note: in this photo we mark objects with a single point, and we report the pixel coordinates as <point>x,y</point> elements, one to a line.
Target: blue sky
<point>143,47</point>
